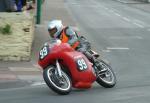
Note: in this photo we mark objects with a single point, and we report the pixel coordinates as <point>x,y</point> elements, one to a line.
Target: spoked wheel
<point>61,85</point>
<point>106,77</point>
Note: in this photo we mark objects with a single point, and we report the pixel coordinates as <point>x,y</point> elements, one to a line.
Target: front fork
<point>58,68</point>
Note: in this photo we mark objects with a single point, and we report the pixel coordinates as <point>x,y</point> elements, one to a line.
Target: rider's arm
<point>71,35</point>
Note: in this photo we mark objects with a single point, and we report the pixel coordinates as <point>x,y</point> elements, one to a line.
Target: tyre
<point>61,85</point>
<point>106,79</point>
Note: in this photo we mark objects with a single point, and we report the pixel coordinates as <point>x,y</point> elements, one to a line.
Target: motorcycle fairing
<point>81,78</point>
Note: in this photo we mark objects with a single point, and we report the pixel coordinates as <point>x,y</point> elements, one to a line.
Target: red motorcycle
<point>64,68</point>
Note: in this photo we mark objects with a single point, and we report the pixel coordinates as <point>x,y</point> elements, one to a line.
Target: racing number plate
<point>44,52</point>
<point>81,63</point>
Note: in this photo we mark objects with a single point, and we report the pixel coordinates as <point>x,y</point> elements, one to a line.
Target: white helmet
<point>55,27</point>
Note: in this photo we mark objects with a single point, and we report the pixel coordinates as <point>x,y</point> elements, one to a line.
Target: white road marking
<point>126,19</point>
<point>38,83</point>
<point>117,14</point>
<point>121,1</point>
<point>74,3</point>
<point>139,25</point>
<point>23,69</point>
<point>106,51</point>
<point>30,77</point>
<point>117,48</point>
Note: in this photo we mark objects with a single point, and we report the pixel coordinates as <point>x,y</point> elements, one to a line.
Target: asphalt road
<point>121,34</point>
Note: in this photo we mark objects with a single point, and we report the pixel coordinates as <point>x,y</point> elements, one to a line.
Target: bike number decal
<point>82,64</point>
<point>43,52</point>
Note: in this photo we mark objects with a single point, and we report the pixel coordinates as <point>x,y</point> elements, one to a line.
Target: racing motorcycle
<point>65,68</point>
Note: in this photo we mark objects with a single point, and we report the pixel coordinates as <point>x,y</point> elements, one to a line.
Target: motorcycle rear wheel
<point>102,77</point>
<point>61,85</point>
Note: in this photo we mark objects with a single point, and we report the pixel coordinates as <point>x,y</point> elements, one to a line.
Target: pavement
<point>19,74</point>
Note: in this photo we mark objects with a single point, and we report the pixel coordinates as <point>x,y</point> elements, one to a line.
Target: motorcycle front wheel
<point>61,85</point>
<point>107,78</point>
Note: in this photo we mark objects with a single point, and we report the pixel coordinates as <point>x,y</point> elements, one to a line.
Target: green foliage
<point>5,30</point>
